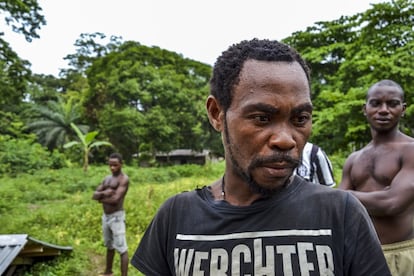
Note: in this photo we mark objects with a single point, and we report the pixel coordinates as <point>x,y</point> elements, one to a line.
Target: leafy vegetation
<point>347,56</point>
<point>52,121</point>
<point>25,18</point>
<point>25,155</point>
<point>56,206</point>
<point>145,100</point>
<point>150,95</point>
<point>87,143</point>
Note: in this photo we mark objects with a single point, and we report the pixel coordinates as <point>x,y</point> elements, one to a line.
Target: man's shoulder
<point>180,200</point>
<point>327,198</point>
<point>123,177</point>
<point>407,144</point>
<point>310,188</point>
<point>355,155</point>
<point>401,147</point>
<point>185,195</point>
<point>407,154</point>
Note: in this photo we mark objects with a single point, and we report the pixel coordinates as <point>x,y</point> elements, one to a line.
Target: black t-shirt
<point>303,230</point>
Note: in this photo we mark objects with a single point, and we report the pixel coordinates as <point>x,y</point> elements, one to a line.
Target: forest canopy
<point>144,100</point>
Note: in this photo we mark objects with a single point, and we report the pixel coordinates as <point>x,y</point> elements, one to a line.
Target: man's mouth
<point>280,169</point>
<point>382,120</point>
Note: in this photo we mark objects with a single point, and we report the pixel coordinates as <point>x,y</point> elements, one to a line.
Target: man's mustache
<point>276,158</point>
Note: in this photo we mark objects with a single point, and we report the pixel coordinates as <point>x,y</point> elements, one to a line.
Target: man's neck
<point>384,137</point>
<point>241,194</point>
<point>118,173</point>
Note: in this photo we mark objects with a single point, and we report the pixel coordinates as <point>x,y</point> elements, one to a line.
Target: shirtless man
<point>381,175</point>
<point>111,193</point>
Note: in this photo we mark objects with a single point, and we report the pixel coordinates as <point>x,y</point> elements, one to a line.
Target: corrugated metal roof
<point>10,247</point>
<point>20,249</point>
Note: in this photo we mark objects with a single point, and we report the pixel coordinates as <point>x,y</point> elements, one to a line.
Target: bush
<point>26,156</point>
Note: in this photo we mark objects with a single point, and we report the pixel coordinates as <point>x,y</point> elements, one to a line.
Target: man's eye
<point>261,118</point>
<point>302,119</point>
<point>374,103</point>
<point>393,103</point>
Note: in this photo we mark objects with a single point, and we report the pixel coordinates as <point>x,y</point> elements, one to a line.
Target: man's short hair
<point>116,155</point>
<point>386,82</point>
<point>227,68</point>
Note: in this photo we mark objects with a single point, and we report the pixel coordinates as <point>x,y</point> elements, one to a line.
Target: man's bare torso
<point>373,169</point>
<point>113,183</point>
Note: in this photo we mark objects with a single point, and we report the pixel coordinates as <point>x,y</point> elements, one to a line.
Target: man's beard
<point>257,162</point>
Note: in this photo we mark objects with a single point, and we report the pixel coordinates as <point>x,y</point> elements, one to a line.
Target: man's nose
<point>383,108</point>
<point>281,137</point>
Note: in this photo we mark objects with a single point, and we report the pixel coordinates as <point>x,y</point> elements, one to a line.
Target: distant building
<point>183,156</point>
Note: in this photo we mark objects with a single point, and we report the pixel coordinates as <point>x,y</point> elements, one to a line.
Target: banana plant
<point>87,143</point>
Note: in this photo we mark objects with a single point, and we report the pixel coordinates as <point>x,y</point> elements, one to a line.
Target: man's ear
<point>364,111</point>
<point>215,113</point>
<point>403,110</point>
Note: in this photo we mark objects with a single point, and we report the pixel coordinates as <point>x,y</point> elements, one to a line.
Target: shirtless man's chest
<point>111,182</point>
<point>375,167</point>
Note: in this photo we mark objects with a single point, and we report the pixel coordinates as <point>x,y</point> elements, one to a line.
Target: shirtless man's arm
<point>346,172</point>
<point>103,190</point>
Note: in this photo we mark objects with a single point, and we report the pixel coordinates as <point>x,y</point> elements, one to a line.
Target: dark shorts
<point>113,227</point>
<point>400,257</point>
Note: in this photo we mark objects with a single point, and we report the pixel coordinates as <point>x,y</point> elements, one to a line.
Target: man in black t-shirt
<point>260,218</point>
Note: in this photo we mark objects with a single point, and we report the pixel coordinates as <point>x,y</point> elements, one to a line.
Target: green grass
<point>55,206</point>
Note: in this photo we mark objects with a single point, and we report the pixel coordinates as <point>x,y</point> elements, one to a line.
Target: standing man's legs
<point>108,242</point>
<point>110,253</point>
<point>124,263</point>
<point>118,228</point>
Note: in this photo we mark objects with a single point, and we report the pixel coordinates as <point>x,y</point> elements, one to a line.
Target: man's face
<point>268,123</point>
<point>114,165</point>
<point>384,107</point>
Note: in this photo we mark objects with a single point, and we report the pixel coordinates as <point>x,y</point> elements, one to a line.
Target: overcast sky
<point>199,30</point>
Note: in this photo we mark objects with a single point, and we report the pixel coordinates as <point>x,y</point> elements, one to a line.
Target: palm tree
<point>87,143</point>
<point>52,122</point>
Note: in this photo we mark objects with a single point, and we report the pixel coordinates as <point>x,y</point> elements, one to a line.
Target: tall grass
<point>56,206</point>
